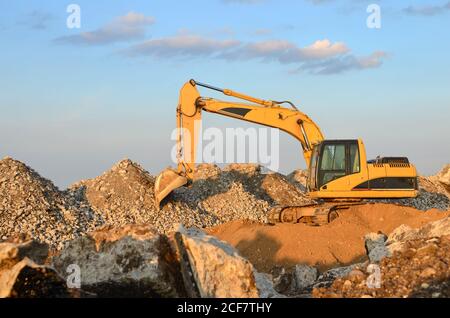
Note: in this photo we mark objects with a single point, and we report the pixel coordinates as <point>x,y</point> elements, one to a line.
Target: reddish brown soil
<point>338,243</point>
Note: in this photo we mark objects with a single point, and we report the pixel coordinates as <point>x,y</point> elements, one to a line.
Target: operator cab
<point>333,159</point>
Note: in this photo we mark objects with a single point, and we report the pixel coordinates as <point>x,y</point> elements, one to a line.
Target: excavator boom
<point>265,112</point>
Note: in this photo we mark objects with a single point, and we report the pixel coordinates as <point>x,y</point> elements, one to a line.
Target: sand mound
<point>336,244</point>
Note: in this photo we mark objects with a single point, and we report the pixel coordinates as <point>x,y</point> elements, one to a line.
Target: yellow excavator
<point>339,174</point>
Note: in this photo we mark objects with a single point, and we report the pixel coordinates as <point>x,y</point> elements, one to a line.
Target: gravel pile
<point>125,194</point>
<point>239,192</point>
<point>31,206</point>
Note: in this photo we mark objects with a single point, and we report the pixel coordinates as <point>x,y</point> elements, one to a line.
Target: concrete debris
<point>283,281</point>
<point>375,247</point>
<point>217,268</point>
<point>419,270</point>
<point>264,283</point>
<point>304,276</point>
<point>397,239</point>
<point>327,278</point>
<point>134,261</point>
<point>372,240</point>
<point>23,275</point>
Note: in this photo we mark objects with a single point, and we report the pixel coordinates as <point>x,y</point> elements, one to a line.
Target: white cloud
<point>37,20</point>
<point>182,45</point>
<point>320,57</point>
<point>124,28</point>
<point>428,10</point>
<point>343,64</point>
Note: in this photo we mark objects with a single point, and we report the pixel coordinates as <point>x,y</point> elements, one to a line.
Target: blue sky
<point>74,101</point>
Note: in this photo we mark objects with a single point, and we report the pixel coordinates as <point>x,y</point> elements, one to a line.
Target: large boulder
<point>212,268</point>
<point>132,261</point>
<point>23,275</point>
<point>397,239</point>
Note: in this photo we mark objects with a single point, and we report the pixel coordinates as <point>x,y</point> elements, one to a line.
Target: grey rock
<point>265,286</point>
<point>304,276</point>
<point>327,278</point>
<point>125,263</point>
<point>217,268</point>
<point>378,253</point>
<point>402,234</point>
<point>372,240</point>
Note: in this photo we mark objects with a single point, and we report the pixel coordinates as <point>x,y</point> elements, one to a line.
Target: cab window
<point>354,158</point>
<point>332,164</point>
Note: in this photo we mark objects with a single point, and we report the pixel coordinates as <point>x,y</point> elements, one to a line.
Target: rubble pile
<point>239,192</point>
<point>412,263</point>
<point>125,195</point>
<point>32,206</point>
<point>131,261</point>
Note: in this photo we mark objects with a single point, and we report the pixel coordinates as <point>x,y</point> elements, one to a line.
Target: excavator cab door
<point>331,160</point>
<point>312,169</point>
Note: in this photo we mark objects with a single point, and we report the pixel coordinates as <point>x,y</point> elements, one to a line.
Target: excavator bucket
<point>166,182</point>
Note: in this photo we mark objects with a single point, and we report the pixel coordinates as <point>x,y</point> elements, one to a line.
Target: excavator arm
<point>264,112</point>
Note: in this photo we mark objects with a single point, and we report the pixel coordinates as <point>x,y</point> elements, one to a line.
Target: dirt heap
<point>32,206</point>
<point>337,244</point>
<point>420,270</point>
